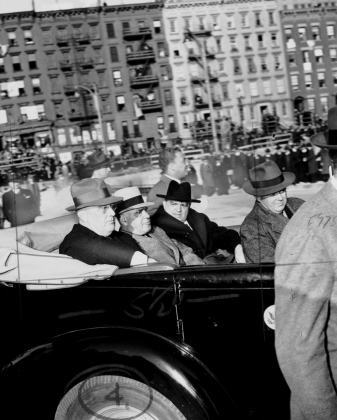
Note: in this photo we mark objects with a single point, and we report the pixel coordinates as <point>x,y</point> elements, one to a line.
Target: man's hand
<point>238,252</point>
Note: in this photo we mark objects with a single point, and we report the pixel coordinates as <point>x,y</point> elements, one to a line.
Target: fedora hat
<point>267,178</point>
<point>91,192</point>
<point>15,176</point>
<point>132,199</point>
<point>327,139</point>
<point>98,160</point>
<point>179,192</point>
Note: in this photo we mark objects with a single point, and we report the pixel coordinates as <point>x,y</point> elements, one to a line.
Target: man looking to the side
<point>174,165</point>
<point>136,228</point>
<point>93,240</point>
<point>194,229</point>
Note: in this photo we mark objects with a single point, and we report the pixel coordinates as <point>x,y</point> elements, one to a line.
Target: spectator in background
<point>19,205</point>
<point>174,165</point>
<point>206,173</point>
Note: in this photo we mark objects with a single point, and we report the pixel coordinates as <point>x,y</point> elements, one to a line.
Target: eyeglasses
<point>282,192</point>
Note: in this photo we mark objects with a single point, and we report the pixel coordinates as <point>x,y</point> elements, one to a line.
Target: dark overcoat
<point>85,245</point>
<point>204,238</point>
<point>261,230</point>
<point>306,307</point>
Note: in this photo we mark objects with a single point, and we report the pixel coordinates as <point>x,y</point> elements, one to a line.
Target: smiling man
<point>262,228</point>
<point>93,240</point>
<point>136,227</point>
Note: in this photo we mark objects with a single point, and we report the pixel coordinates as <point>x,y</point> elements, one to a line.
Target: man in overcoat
<point>136,227</point>
<point>174,165</point>
<point>191,228</point>
<point>93,240</point>
<point>262,228</point>
<point>306,297</point>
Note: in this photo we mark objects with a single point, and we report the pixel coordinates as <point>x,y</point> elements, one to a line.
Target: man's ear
<point>123,220</point>
<point>82,215</point>
<point>164,204</point>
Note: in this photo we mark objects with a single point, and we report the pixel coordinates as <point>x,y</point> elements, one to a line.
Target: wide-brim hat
<point>132,199</point>
<point>91,192</point>
<point>267,178</point>
<point>98,160</point>
<point>327,139</point>
<point>179,192</point>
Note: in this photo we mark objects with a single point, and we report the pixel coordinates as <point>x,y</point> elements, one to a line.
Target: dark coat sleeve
<point>223,238</point>
<point>97,250</point>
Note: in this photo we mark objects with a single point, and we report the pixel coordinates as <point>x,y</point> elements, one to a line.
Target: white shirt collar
<point>174,179</point>
<point>186,223</point>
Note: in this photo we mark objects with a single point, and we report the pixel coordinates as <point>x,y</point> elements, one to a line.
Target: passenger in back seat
<point>93,239</point>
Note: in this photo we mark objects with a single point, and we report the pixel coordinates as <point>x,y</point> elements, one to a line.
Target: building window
<point>280,85</point>
<point>40,110</point>
<point>244,20</point>
<point>32,64</point>
<point>225,91</point>
<point>274,42</point>
<point>172,26</point>
<point>125,26</point>
<point>294,81</point>
<point>321,79</point>
<point>334,75</point>
<point>302,33</point>
<point>98,55</point>
<point>136,129</point>
<point>16,63</point>
<point>237,68</point>
<point>2,65</point>
<point>186,124</point>
<point>252,113</point>
<point>51,62</point>
<point>12,41</point>
<point>251,65</point>
<point>239,90</point>
<point>161,49</point>
<point>308,81</point>
<point>183,97</point>
<point>36,85</point>
<point>258,19</point>
<point>216,25</point>
<point>218,44</point>
<point>166,72</point>
<point>247,42</point>
<point>168,97</point>
<point>305,57</point>
<point>3,90</point>
<point>277,62</point>
<point>230,22</point>
<point>260,41</point>
<point>3,116</point>
<point>114,54</point>
<point>316,33</point>
<point>232,43</point>
<point>266,87</point>
<point>55,87</point>
<point>263,61</point>
<point>333,54</point>
<point>331,31</point>
<point>324,102</point>
<point>311,104</point>
<point>319,55</point>
<point>284,109</point>
<point>94,32</point>
<point>157,26</point>
<point>289,34</point>
<point>172,125</point>
<point>110,30</point>
<point>187,23</point>
<point>253,89</point>
<point>176,53</point>
<point>28,37</point>
<point>271,18</point>
<point>117,76</point>
<point>222,66</point>
<point>47,36</point>
<point>292,59</point>
<point>120,102</point>
<point>125,130</point>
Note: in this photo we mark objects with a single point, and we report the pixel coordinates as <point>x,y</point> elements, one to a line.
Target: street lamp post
<point>95,97</point>
<point>201,44</point>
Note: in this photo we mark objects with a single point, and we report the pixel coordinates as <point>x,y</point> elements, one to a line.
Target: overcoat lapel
<point>199,230</point>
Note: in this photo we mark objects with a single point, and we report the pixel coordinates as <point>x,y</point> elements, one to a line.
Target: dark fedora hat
<point>98,160</point>
<point>267,178</point>
<point>91,192</point>
<point>327,139</point>
<point>179,192</point>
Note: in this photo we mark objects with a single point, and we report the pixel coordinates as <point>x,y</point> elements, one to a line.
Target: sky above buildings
<point>10,6</point>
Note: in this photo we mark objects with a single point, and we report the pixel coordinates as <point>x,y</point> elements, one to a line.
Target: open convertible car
<point>149,342</point>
